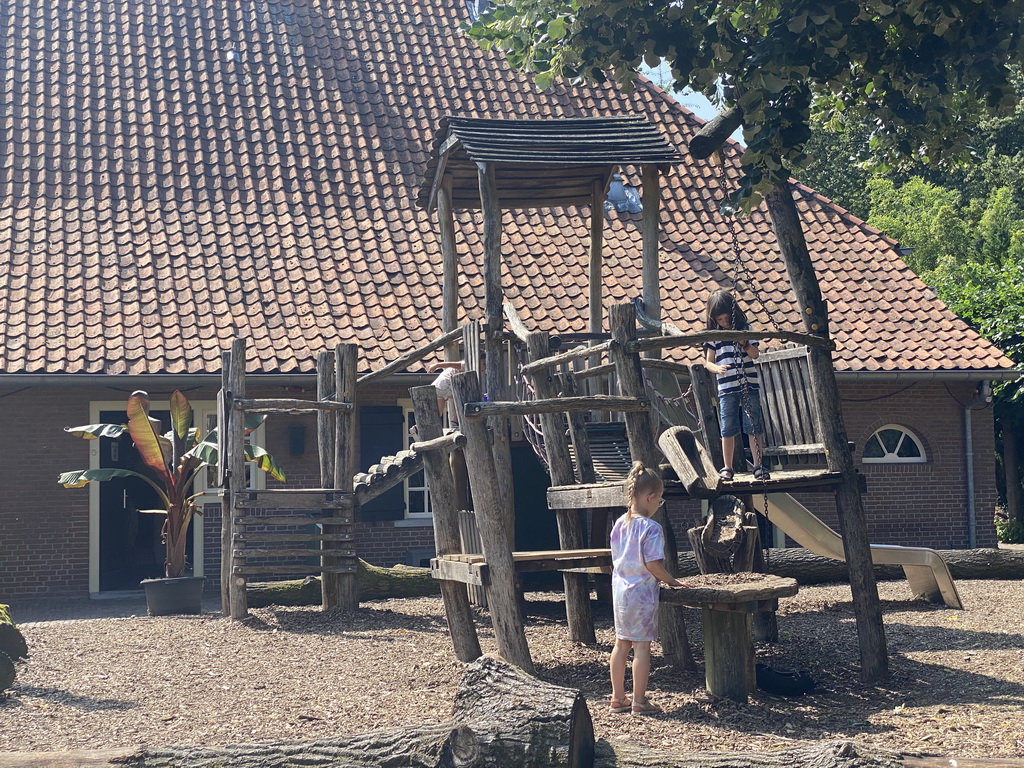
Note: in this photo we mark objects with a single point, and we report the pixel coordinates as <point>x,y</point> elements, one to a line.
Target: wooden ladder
<point>248,539</point>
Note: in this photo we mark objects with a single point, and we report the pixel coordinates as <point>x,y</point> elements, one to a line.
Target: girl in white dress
<point>638,564</point>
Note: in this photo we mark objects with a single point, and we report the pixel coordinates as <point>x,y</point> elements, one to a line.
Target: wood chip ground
<point>957,685</point>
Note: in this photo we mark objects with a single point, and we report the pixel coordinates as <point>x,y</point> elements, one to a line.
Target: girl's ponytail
<point>639,481</point>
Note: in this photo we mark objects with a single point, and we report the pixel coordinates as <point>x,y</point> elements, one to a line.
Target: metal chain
<point>751,287</point>
<point>741,277</point>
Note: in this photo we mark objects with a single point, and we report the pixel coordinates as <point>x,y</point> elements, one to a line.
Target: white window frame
<point>892,457</point>
<point>410,489</point>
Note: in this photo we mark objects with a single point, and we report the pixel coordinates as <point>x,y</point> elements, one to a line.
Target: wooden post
<point>707,413</point>
<point>502,592</point>
<point>449,256</point>
<point>642,447</point>
<point>235,481</point>
<point>570,532</point>
<point>651,199</point>
<point>325,388</point>
<point>596,321</point>
<point>785,219</point>
<point>226,497</point>
<point>341,590</point>
<point>728,655</point>
<point>446,524</point>
<point>493,343</point>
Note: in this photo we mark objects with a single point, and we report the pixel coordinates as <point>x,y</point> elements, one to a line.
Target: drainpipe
<point>982,394</point>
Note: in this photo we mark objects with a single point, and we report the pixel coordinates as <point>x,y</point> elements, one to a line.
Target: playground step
<point>294,498</point>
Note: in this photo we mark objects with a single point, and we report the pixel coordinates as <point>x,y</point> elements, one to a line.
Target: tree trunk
<point>874,656</point>
<point>808,568</point>
<point>374,584</point>
<point>1011,472</point>
<point>12,642</point>
<point>828,754</point>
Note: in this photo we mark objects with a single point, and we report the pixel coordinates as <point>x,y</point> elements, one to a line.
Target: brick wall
<point>45,542</point>
<point>919,504</point>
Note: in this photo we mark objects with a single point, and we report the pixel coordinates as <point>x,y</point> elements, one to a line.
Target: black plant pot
<point>166,597</point>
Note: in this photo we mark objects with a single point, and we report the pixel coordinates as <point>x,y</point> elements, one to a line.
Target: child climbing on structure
<point>739,397</point>
<point>638,564</point>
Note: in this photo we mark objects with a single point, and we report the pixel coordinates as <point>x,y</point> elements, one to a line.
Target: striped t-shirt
<point>730,353</point>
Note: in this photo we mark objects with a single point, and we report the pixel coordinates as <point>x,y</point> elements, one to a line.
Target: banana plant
<point>173,460</point>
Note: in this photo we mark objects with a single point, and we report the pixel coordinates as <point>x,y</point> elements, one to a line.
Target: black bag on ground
<point>783,683</point>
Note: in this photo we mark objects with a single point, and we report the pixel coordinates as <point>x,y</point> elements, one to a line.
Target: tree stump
<point>12,642</point>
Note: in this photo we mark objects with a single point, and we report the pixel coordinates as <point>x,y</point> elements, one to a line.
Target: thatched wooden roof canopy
<point>539,163</point>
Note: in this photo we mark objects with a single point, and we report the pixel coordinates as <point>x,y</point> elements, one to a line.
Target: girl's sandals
<point>644,707</point>
<point>762,473</point>
<point>726,473</point>
<point>619,706</point>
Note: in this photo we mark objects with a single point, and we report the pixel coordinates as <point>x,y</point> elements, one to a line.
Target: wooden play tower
<point>496,165</point>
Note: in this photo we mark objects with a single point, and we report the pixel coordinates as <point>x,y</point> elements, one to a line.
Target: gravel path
<point>957,686</point>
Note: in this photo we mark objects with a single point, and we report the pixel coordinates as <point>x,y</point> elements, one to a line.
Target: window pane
<point>890,438</point>
<point>873,448</point>
<point>908,448</point>
<point>416,503</point>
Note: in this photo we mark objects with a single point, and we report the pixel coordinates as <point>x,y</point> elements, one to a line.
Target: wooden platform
<point>472,569</point>
<point>611,494</point>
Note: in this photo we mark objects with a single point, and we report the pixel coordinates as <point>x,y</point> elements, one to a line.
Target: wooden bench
<point>472,569</point>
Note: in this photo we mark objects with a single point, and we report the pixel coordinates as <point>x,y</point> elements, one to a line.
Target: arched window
<point>893,444</point>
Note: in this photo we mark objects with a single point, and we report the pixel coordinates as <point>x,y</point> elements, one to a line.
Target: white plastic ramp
<point>925,569</point>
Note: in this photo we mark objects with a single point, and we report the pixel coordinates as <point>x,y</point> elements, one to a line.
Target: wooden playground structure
<point>491,165</point>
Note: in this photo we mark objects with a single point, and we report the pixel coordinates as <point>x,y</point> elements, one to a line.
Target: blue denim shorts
<point>733,413</point>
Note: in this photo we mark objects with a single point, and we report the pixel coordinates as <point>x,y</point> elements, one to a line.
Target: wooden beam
<point>399,364</point>
<point>577,353</point>
<point>698,339</point>
<point>849,505</point>
<point>494,346</point>
<point>341,590</point>
<point>449,258</point>
<point>502,596</point>
<point>716,132</point>
<point>596,319</point>
<point>570,529</point>
<point>226,534</point>
<point>236,479</point>
<point>438,473</point>
<point>557,405</point>
<point>651,200</point>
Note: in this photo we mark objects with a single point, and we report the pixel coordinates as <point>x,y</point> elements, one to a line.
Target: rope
<point>532,430</point>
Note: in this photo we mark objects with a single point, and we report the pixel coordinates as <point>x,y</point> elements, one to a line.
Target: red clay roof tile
<point>183,173</point>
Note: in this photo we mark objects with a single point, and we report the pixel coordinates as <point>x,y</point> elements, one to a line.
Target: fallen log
<point>808,568</point>
<point>375,583</point>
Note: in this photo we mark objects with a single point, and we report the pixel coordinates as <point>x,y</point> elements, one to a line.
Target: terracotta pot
<point>166,597</point>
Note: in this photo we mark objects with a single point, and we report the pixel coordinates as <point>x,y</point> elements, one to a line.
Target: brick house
<point>177,174</point>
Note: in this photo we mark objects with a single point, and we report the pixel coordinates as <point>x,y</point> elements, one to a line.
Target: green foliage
<point>922,71</point>
<point>924,218</point>
<point>173,460</point>
<point>1009,530</point>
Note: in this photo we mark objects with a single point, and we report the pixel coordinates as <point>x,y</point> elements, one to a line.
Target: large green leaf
<point>181,414</point>
<point>96,431</point>
<point>264,461</point>
<point>154,449</point>
<point>80,478</point>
